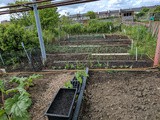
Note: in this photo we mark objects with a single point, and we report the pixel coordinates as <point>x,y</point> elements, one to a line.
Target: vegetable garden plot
<point>113,36</point>
<point>94,37</point>
<point>123,42</point>
<point>85,37</point>
<point>67,49</point>
<point>93,64</point>
<point>71,57</point>
<point>122,96</point>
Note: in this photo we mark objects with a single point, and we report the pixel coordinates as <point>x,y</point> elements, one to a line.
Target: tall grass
<point>143,40</point>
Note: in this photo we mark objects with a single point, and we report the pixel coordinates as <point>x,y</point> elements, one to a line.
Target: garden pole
<point>1,59</point>
<point>26,52</point>
<point>157,54</point>
<point>39,29</point>
<point>136,54</point>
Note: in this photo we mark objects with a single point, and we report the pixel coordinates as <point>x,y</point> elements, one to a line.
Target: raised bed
<point>67,49</point>
<point>71,57</point>
<point>114,36</point>
<point>61,107</point>
<point>99,64</point>
<point>94,37</point>
<point>97,42</point>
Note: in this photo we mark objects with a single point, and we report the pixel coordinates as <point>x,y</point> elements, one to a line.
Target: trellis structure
<point>33,6</point>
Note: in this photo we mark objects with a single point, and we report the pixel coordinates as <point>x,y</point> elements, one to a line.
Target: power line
<point>27,3</point>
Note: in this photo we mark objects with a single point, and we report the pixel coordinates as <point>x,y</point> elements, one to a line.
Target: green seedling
<point>72,66</point>
<point>68,84</point>
<point>67,66</point>
<point>114,67</point>
<point>81,74</point>
<point>53,67</point>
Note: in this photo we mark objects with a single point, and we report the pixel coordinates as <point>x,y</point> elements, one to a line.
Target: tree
<point>91,14</point>
<point>11,36</point>
<point>23,18</point>
<point>157,9</point>
<point>64,20</point>
<point>49,18</point>
<point>145,10</point>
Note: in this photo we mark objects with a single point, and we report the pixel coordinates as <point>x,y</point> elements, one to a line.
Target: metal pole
<point>26,52</point>
<point>136,54</point>
<point>39,29</point>
<point>1,59</point>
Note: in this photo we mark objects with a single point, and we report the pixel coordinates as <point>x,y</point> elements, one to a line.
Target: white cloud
<point>104,5</point>
<point>4,17</point>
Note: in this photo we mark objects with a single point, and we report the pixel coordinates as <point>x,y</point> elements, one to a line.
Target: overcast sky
<point>101,5</point>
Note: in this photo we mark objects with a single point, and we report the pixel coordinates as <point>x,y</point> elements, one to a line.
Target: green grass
<point>143,40</point>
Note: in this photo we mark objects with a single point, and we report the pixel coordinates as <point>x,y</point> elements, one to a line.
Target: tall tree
<point>91,14</point>
<point>49,17</point>
<point>157,9</point>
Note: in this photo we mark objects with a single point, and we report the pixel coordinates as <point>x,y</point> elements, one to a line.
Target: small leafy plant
<point>67,66</point>
<point>80,74</point>
<point>68,84</point>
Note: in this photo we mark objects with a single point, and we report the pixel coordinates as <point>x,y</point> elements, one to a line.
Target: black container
<point>61,107</point>
<point>76,84</point>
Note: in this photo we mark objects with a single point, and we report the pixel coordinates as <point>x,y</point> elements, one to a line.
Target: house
<point>127,15</point>
<point>5,22</point>
<point>79,17</point>
<point>103,15</point>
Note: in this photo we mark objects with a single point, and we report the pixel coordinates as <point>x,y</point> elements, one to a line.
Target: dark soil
<point>116,37</point>
<point>68,49</point>
<point>69,57</point>
<point>116,42</point>
<point>122,96</point>
<point>94,64</point>
<point>63,102</point>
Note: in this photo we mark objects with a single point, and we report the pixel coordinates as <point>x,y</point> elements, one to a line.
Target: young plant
<point>79,76</point>
<point>68,84</point>
<point>72,66</point>
<point>113,67</point>
<point>99,64</point>
<point>67,66</point>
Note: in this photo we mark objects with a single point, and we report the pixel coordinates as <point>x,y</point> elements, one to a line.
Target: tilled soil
<point>116,36</point>
<point>44,91</point>
<point>122,96</point>
<point>108,42</point>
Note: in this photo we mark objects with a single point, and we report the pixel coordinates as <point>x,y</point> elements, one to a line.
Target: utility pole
<point>39,29</point>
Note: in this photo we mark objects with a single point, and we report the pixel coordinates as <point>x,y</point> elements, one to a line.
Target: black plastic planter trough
<point>61,107</point>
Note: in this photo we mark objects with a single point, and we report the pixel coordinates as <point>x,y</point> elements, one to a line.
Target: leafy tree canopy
<point>157,9</point>
<point>91,14</point>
